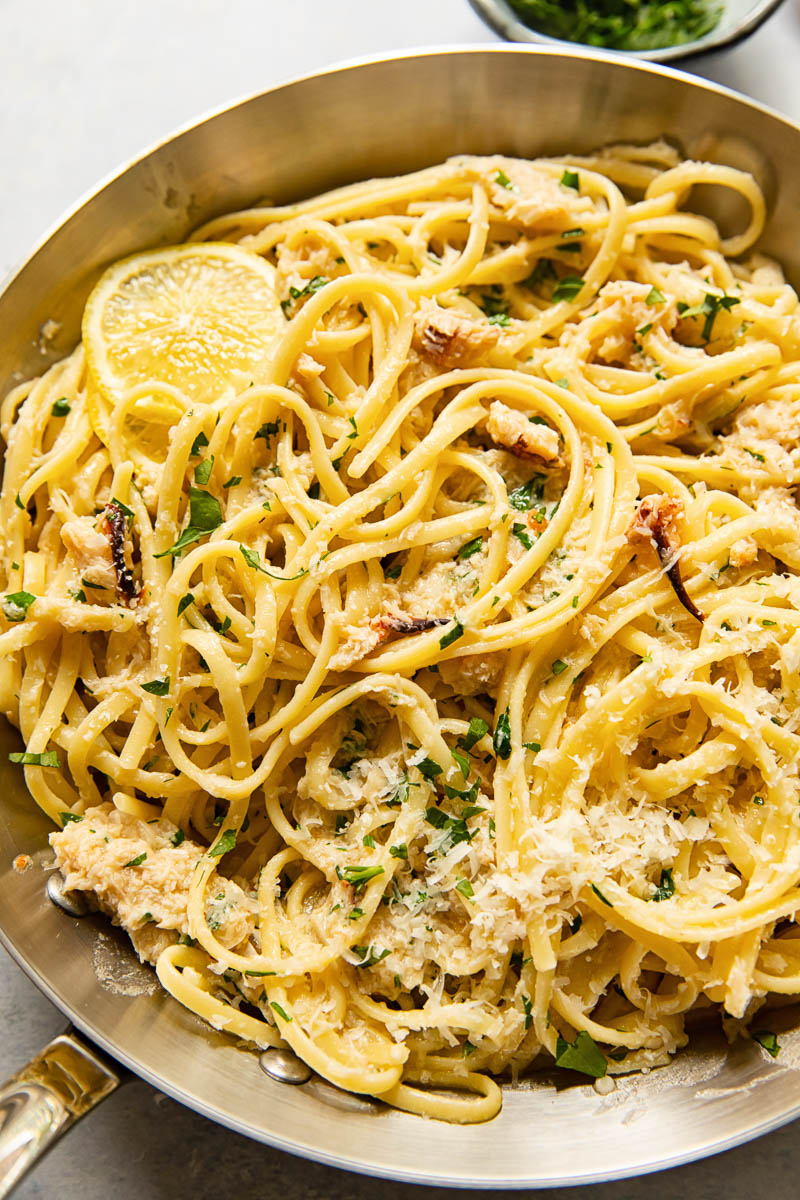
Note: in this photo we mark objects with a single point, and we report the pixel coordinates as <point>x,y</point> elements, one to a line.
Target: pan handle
<point>44,1099</point>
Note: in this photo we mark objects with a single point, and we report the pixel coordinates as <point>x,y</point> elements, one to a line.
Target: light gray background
<point>83,86</point>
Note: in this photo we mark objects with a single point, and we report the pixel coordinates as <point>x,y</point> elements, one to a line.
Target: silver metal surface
<point>739,19</point>
<point>285,1066</point>
<point>344,124</point>
<point>44,1099</point>
<point>72,903</point>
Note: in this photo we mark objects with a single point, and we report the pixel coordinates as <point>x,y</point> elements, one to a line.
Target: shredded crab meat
<point>141,874</point>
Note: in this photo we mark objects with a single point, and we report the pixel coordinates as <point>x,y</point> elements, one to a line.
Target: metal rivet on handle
<point>73,903</point>
<point>284,1066</point>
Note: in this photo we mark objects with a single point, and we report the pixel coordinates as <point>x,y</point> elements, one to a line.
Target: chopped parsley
<point>708,308</point>
<point>48,758</point>
<point>503,180</point>
<point>359,877</point>
<point>455,827</point>
<point>225,843</point>
<point>522,498</point>
<point>205,515</point>
<point>66,817</point>
<point>461,761</point>
<point>570,179</point>
<point>558,666</point>
<point>621,25</point>
<point>567,288</point>
<point>156,687</point>
<point>61,407</point>
<point>600,895</point>
<point>177,837</point>
<point>202,472</point>
<point>184,602</point>
<point>655,296</point>
<point>401,791</point>
<point>429,768</point>
<point>522,534</point>
<point>469,548</point>
<point>582,1055</point>
<point>16,604</point>
<point>199,443</point>
<point>313,286</point>
<point>267,431</point>
<point>478,728</point>
<point>369,955</point>
<point>465,888</point>
<point>768,1040</point>
<point>543,270</point>
<point>666,887</point>
<point>451,636</point>
<point>252,560</point>
<point>501,738</point>
<point>136,862</point>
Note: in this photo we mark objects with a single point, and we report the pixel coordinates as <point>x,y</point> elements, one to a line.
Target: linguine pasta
<point>424,696</point>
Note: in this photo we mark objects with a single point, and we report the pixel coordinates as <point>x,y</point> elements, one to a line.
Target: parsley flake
<point>156,687</point>
<point>49,758</point>
<point>582,1055</point>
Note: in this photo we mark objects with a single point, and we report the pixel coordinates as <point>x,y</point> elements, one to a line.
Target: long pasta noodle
<point>469,711</point>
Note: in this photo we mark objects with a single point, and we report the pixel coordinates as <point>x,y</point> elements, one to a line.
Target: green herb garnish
<point>621,24</point>
<point>205,515</point>
<point>49,758</point>
<point>225,843</point>
<point>501,738</point>
<point>768,1040</point>
<point>470,548</point>
<point>567,288</point>
<point>359,877</point>
<point>369,955</point>
<point>582,1055</point>
<point>16,605</point>
<point>666,887</point>
<point>452,635</point>
<point>522,498</point>
<point>429,768</point>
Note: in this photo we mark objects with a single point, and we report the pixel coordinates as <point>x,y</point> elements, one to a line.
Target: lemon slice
<point>197,317</point>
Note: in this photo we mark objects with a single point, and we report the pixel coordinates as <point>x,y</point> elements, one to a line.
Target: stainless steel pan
<point>376,117</point>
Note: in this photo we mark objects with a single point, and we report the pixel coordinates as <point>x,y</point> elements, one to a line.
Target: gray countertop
<point>83,87</point>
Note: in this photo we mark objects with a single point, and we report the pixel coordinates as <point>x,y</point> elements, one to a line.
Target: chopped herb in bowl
<point>621,24</point>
